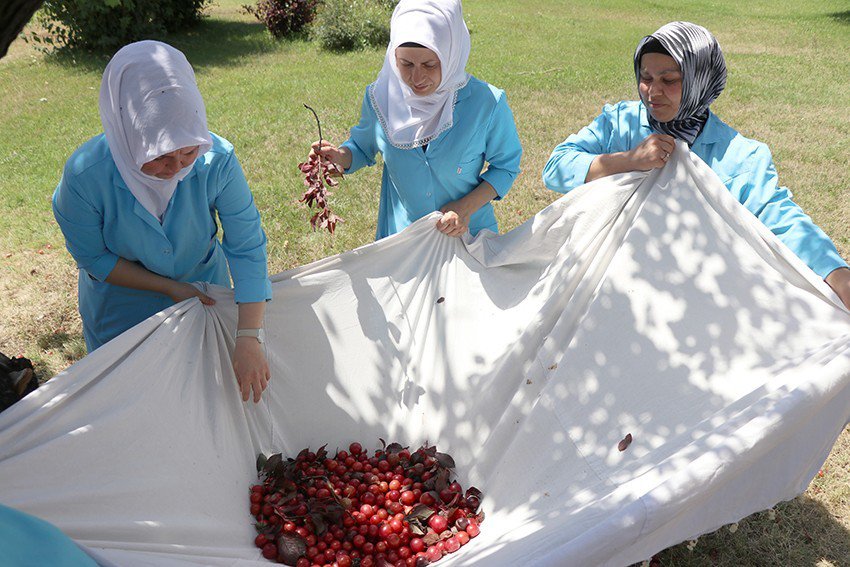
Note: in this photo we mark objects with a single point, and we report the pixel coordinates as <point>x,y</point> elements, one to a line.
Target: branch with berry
<point>318,176</point>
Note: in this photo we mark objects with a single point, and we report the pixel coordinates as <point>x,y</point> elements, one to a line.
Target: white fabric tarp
<point>644,303</point>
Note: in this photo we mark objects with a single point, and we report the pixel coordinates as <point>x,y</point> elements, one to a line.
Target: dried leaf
<point>272,462</point>
<point>290,547</point>
<point>431,538</point>
<point>625,442</point>
<point>261,462</point>
<point>441,480</point>
<point>442,299</point>
<point>319,522</point>
<point>445,460</point>
<point>419,512</point>
<point>322,453</point>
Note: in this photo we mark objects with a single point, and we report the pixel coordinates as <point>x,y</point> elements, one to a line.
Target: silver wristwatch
<point>258,334</point>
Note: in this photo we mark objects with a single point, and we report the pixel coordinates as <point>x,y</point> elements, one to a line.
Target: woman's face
<point>167,165</point>
<point>660,85</point>
<point>419,68</point>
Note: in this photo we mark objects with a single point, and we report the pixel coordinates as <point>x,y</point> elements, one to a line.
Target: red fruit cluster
<point>318,176</point>
<point>392,509</point>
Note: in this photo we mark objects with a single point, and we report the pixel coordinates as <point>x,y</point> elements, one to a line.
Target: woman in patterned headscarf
<point>680,71</point>
<point>435,126</point>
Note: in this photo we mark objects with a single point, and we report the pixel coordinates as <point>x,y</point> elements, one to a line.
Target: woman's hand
<point>839,281</point>
<point>339,156</point>
<point>180,291</point>
<point>251,368</point>
<point>455,220</point>
<point>652,152</point>
<point>456,214</point>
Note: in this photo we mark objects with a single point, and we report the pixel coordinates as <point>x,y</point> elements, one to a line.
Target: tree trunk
<point>14,15</point>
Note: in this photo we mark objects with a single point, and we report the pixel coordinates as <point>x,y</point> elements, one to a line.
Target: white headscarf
<point>410,120</point>
<point>150,105</point>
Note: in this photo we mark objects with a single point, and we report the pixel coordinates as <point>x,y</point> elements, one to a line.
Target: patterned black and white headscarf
<point>703,75</point>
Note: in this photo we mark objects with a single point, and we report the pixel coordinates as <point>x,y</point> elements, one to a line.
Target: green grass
<point>559,61</point>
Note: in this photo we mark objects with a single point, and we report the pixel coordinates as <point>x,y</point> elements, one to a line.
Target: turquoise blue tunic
<point>102,221</point>
<point>745,166</point>
<point>417,182</point>
<point>27,541</point>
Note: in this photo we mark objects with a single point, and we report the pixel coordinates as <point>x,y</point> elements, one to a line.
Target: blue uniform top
<point>102,221</point>
<point>417,182</point>
<point>745,166</point>
<point>26,541</point>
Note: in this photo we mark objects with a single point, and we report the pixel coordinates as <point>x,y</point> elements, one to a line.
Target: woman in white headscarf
<point>435,126</point>
<point>680,70</point>
<point>138,204</point>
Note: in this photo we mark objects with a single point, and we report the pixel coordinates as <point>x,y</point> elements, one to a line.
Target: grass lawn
<point>558,60</point>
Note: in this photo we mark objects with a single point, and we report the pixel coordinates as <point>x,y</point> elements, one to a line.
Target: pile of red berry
<point>393,509</point>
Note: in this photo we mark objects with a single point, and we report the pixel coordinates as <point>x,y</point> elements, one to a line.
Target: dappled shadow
<point>842,17</point>
<point>668,329</point>
<point>649,313</point>
<point>212,42</point>
<point>802,533</point>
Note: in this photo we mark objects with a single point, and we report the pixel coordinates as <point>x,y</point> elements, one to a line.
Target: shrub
<point>343,25</point>
<point>284,17</point>
<point>109,24</point>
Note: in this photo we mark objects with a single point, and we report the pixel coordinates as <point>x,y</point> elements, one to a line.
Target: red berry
<point>472,529</point>
<point>452,544</point>
<point>434,553</point>
<point>438,523</point>
<point>408,498</point>
<point>355,448</point>
<point>417,545</point>
<point>427,498</point>
<point>270,551</point>
<point>462,537</point>
<point>446,495</point>
<point>260,541</point>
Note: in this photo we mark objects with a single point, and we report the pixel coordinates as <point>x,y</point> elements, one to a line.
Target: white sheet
<point>650,304</point>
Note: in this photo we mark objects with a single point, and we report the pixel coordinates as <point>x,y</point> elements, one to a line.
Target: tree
<point>14,15</point>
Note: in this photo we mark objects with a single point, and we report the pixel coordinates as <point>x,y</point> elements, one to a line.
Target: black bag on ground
<point>17,379</point>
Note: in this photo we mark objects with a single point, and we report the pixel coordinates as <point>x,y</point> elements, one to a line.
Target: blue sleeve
<point>759,190</point>
<point>570,161</point>
<point>503,150</point>
<point>27,540</point>
<point>362,142</point>
<point>82,225</point>
<point>244,241</point>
